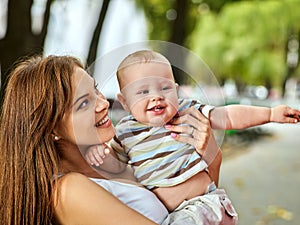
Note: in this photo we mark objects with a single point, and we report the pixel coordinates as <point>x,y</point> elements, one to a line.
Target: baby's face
<point>150,92</point>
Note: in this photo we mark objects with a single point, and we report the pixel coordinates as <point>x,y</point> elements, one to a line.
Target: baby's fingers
<point>295,114</point>
<point>291,120</point>
<point>284,114</point>
<point>99,155</point>
<point>291,116</point>
<point>94,158</point>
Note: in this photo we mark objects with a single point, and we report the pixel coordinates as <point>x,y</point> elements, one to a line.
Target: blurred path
<point>264,182</point>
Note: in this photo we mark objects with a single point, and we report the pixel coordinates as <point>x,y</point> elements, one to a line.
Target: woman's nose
<point>101,104</point>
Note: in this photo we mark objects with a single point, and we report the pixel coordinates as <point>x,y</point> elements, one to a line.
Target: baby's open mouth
<point>156,108</point>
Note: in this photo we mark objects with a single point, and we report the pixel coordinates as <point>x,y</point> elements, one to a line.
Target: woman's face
<point>86,122</point>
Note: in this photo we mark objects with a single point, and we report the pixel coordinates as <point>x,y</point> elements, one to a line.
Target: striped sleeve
<point>116,145</point>
<point>204,109</point>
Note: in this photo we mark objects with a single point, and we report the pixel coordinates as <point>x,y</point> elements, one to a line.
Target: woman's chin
<point>106,134</point>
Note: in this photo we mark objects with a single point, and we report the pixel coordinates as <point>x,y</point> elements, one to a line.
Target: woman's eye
<point>83,104</point>
<point>96,89</point>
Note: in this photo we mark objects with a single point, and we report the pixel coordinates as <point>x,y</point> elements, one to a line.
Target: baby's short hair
<point>141,56</point>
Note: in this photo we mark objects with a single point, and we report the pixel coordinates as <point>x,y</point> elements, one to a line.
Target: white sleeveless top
<point>137,198</point>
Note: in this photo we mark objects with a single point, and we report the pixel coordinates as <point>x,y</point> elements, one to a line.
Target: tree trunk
<point>95,40</point>
<point>19,40</point>
<point>181,28</point>
<point>291,66</point>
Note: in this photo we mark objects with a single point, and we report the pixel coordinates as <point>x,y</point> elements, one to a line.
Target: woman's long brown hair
<point>38,94</point>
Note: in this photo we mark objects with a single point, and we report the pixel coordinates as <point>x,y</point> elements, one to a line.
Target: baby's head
<point>148,88</point>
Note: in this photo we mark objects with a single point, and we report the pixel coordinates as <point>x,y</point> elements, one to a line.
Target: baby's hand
<point>96,154</point>
<point>284,114</point>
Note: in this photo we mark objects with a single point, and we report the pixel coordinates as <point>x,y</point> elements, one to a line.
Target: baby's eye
<point>166,88</point>
<point>143,92</point>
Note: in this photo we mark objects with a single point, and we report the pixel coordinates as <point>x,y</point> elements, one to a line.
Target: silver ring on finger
<point>192,133</point>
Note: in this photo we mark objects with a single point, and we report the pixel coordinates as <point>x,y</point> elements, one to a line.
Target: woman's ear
<point>177,86</point>
<point>122,100</point>
<point>55,137</point>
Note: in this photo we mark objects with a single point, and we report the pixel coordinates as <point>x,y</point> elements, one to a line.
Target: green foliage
<point>155,11</point>
<point>247,40</point>
<point>159,18</point>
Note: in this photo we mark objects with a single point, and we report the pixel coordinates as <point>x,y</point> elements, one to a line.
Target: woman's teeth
<point>102,122</point>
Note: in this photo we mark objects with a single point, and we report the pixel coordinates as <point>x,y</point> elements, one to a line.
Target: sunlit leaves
<point>247,39</point>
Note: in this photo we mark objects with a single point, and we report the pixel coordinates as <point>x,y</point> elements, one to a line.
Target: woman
<point>52,112</point>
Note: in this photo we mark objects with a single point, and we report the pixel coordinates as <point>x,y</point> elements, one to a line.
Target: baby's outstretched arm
<point>104,158</point>
<point>242,116</point>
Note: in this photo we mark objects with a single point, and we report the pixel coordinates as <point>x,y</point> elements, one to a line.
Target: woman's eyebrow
<point>78,99</point>
<point>83,96</point>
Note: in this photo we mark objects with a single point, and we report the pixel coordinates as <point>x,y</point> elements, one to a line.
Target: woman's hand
<point>195,129</point>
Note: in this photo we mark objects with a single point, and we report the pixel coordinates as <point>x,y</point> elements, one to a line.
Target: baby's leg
<point>212,208</point>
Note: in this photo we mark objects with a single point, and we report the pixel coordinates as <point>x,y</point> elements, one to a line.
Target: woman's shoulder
<point>71,177</point>
<point>80,200</point>
<point>73,194</point>
<point>71,184</point>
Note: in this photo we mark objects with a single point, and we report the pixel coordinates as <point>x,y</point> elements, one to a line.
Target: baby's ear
<point>177,86</point>
<point>122,100</point>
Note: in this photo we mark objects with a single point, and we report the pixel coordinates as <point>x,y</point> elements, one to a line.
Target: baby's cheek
<point>137,111</point>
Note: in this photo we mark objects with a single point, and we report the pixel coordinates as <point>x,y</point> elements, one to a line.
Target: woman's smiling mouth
<point>103,121</point>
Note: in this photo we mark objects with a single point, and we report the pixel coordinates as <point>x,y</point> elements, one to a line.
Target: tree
<point>174,21</point>
<point>95,40</point>
<point>247,41</point>
<point>19,39</point>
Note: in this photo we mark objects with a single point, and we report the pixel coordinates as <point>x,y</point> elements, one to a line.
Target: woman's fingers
<point>193,123</point>
<point>193,117</point>
<point>194,129</point>
<point>199,144</point>
<point>191,135</point>
<point>185,129</point>
<point>192,112</point>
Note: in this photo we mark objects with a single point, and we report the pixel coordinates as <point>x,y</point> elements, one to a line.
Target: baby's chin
<point>157,122</point>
